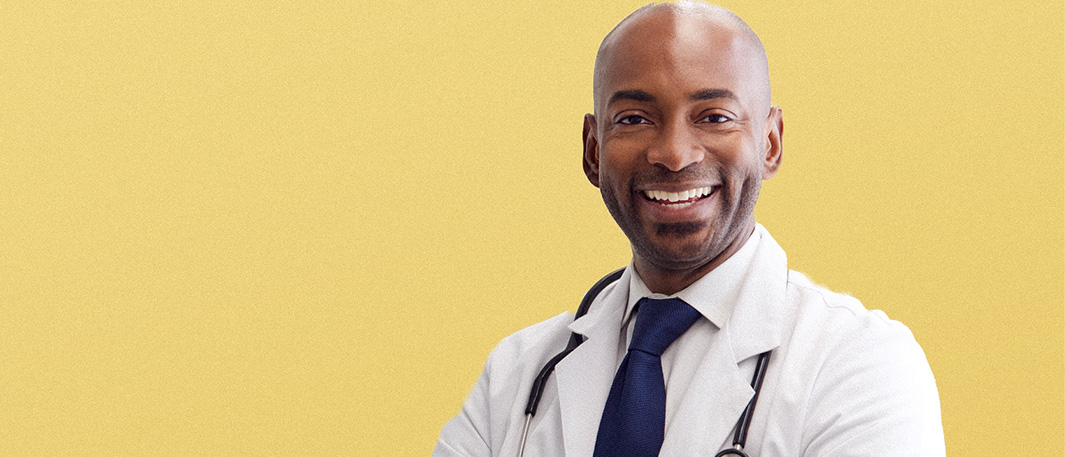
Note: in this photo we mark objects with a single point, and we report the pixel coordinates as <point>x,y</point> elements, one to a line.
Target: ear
<point>774,147</point>
<point>591,149</point>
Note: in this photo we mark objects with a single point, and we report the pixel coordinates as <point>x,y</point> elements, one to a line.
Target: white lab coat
<point>841,381</point>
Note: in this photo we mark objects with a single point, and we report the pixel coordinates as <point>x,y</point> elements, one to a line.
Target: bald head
<point>687,26</point>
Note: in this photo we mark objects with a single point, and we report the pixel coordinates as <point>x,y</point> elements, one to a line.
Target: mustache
<point>660,175</point>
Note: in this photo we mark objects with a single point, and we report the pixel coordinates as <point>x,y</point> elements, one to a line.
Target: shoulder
<point>536,334</point>
<point>802,288</point>
<point>839,316</point>
<point>843,331</point>
<point>531,344</point>
<point>866,374</point>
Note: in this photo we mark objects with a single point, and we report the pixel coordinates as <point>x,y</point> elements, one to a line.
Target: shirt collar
<point>715,293</point>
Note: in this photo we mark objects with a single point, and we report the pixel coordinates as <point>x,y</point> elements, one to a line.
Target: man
<point>682,136</point>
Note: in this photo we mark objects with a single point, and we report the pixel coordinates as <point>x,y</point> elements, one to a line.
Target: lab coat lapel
<point>714,400</point>
<point>756,322</point>
<point>585,375</point>
<point>720,389</point>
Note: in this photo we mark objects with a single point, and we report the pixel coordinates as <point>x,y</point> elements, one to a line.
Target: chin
<point>682,248</point>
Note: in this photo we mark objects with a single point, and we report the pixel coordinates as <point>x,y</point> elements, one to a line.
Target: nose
<point>675,148</point>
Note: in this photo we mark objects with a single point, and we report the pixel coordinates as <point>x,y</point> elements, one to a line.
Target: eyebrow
<point>641,96</point>
<point>634,95</point>
<point>710,94</point>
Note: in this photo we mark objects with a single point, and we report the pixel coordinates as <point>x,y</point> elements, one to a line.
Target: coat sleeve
<point>467,434</point>
<point>874,396</point>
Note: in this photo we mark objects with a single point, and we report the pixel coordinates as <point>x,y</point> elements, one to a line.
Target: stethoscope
<point>537,391</point>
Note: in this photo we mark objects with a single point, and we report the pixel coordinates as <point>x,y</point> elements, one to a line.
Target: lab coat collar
<point>714,294</point>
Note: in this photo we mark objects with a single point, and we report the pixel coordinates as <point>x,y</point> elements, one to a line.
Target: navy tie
<point>634,418</point>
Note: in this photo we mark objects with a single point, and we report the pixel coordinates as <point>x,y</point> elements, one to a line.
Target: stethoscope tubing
<point>574,341</point>
<point>739,440</point>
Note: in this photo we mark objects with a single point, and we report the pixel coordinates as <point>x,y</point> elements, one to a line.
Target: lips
<point>678,200</point>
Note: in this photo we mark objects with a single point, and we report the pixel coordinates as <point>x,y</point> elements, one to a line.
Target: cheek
<point>615,192</point>
<point>622,152</point>
<point>731,151</point>
<point>741,162</point>
<point>613,172</point>
<point>609,183</point>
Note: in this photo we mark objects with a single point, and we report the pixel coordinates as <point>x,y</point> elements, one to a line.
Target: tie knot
<point>659,322</point>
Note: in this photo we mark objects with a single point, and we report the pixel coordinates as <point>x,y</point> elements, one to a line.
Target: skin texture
<point>682,101</point>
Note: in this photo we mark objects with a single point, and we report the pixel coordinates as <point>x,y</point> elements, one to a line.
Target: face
<point>682,137</point>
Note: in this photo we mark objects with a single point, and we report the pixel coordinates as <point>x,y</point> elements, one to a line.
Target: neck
<point>670,281</point>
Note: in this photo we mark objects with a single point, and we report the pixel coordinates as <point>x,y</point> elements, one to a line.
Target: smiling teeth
<point>673,197</point>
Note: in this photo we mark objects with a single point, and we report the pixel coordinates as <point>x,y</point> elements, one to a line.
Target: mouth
<point>678,200</point>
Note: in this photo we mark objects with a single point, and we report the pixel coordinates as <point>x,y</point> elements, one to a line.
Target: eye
<point>633,120</point>
<point>715,119</point>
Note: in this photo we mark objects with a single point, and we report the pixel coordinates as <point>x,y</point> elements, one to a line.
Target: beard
<point>650,241</point>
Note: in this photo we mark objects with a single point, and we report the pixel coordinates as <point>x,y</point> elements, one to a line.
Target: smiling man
<point>706,343</point>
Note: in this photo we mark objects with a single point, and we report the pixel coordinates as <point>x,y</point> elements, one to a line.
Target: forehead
<point>668,52</point>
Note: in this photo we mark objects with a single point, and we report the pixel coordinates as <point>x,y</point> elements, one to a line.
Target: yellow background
<point>298,228</point>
